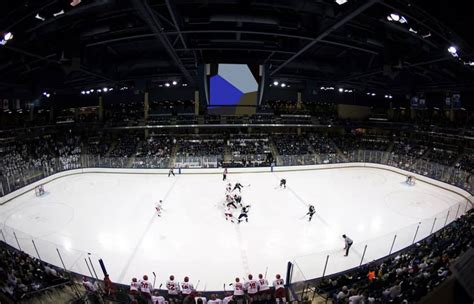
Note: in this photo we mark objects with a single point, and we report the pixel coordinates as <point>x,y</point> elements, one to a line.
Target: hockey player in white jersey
<point>252,289</point>
<point>157,299</point>
<point>214,300</point>
<point>145,288</point>
<point>186,287</point>
<point>228,298</point>
<point>239,293</point>
<point>279,285</point>
<point>228,189</point>
<point>264,289</point>
<point>173,290</point>
<point>159,207</point>
<point>229,215</point>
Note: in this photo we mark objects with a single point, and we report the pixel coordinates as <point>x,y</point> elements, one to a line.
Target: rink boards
<point>109,214</point>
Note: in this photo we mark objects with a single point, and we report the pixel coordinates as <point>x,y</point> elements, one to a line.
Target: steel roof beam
<point>326,32</point>
<point>156,27</point>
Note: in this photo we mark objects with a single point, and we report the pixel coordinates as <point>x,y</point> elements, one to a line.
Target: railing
<point>11,180</point>
<point>319,265</point>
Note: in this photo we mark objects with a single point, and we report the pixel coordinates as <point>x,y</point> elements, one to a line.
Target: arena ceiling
<point>131,42</point>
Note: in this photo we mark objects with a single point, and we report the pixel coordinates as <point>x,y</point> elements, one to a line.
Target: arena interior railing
<point>303,268</point>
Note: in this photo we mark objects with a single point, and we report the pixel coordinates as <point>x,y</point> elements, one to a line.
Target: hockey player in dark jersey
<point>283,183</point>
<point>238,186</point>
<point>243,214</point>
<point>311,212</point>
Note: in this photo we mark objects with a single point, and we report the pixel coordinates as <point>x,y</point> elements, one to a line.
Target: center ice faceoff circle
<point>114,217</point>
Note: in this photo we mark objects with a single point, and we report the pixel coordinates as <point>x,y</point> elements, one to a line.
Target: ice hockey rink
<point>111,216</point>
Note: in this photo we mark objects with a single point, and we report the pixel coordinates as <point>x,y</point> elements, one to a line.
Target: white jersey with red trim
<point>251,286</point>
<point>173,287</point>
<point>145,286</point>
<point>279,283</point>
<point>263,284</point>
<point>227,300</point>
<point>186,288</point>
<point>158,300</point>
<point>134,286</point>
<point>238,289</point>
<point>204,300</point>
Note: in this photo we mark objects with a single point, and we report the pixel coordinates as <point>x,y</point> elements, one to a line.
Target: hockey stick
<point>266,269</point>
<point>199,281</point>
<point>224,287</point>
<point>154,279</point>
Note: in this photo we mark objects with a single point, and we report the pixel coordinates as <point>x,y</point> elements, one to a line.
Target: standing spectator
<point>279,286</point>
<point>109,286</point>
<point>90,288</point>
<point>348,243</point>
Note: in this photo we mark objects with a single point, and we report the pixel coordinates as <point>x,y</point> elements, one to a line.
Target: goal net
<point>410,180</point>
<point>39,190</point>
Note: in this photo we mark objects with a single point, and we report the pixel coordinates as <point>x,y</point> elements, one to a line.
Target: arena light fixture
<point>426,35</point>
<point>6,37</point>
<point>373,94</point>
<point>395,17</point>
<point>99,90</point>
<point>184,84</point>
<point>83,92</point>
<point>453,51</point>
<point>92,90</point>
<point>283,85</point>
<point>58,13</point>
<point>88,92</point>
<point>341,2</point>
<point>167,84</point>
<point>174,82</point>
<point>341,90</point>
<point>39,17</point>
<point>275,83</point>
<point>105,90</point>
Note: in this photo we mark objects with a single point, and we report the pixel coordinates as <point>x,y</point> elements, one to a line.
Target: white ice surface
<point>111,216</point>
